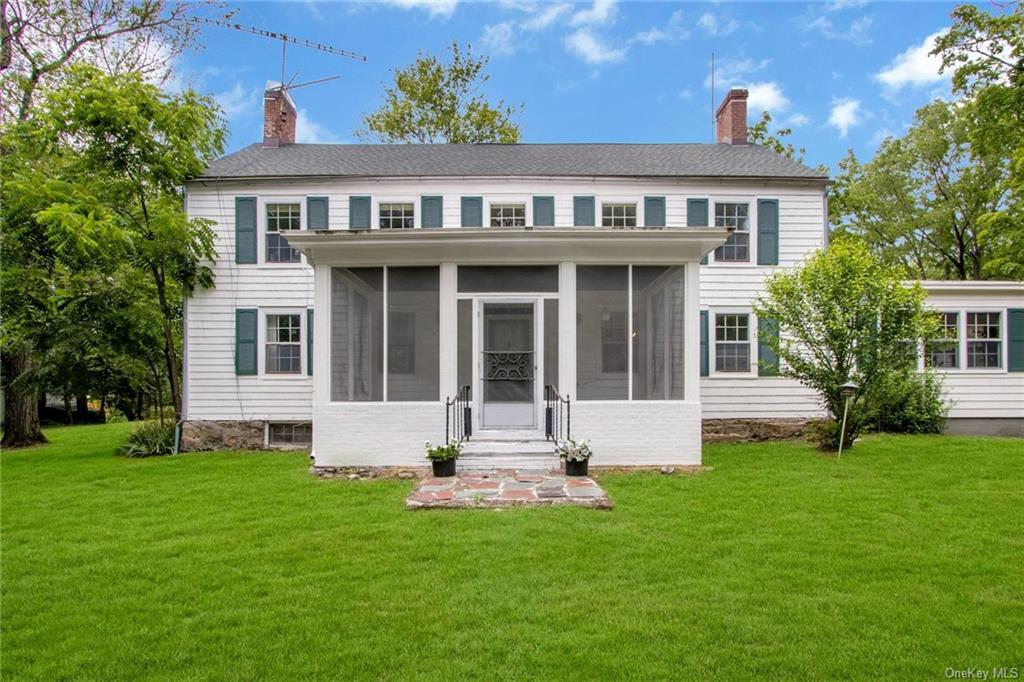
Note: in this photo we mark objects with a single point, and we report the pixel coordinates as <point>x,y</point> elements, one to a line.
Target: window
<point>284,344</point>
<point>291,434</point>
<point>984,346</point>
<point>508,215</point>
<point>737,248</point>
<point>618,215</point>
<point>397,216</point>
<point>281,218</point>
<point>732,343</point>
<point>944,352</point>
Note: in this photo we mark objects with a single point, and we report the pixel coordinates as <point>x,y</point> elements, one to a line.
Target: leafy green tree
<point>760,133</point>
<point>433,101</point>
<point>844,315</point>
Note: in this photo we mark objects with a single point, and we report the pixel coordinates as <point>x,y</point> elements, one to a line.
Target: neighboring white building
<point>507,273</point>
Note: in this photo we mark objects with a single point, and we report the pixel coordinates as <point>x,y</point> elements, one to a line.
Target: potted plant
<point>576,455</point>
<point>442,457</point>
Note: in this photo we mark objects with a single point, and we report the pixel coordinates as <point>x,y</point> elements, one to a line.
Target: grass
<point>903,559</point>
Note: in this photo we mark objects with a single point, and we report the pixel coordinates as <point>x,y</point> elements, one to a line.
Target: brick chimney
<point>731,118</point>
<point>279,116</point>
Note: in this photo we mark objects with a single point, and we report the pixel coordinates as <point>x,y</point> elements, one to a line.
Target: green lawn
<point>903,559</point>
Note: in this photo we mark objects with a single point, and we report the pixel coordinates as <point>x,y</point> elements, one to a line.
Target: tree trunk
<point>67,408</point>
<point>21,411</point>
<point>103,409</point>
<point>169,356</point>
<point>81,409</point>
<point>139,408</point>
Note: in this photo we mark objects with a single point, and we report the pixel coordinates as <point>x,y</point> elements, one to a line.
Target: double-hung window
<point>984,340</point>
<point>736,249</point>
<point>943,352</point>
<point>397,215</point>
<point>281,219</point>
<point>732,342</point>
<point>508,215</point>
<point>618,215</point>
<point>284,344</point>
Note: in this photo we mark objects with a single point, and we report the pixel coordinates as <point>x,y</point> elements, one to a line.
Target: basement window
<point>289,434</point>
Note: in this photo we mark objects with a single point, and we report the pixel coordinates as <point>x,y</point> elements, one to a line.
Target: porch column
<point>567,329</point>
<point>448,330</point>
<point>691,332</point>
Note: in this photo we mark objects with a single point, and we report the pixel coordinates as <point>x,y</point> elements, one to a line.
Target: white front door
<point>509,365</point>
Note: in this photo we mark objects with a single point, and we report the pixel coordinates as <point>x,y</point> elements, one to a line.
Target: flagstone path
<point>507,488</point>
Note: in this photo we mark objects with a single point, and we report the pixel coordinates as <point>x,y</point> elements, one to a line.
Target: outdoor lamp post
<point>847,390</point>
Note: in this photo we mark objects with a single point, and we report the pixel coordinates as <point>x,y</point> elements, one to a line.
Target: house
<point>372,297</point>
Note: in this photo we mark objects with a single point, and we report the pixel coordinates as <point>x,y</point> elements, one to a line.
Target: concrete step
<point>474,447</point>
<point>519,463</point>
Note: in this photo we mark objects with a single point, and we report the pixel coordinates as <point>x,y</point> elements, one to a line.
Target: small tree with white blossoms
<point>842,316</point>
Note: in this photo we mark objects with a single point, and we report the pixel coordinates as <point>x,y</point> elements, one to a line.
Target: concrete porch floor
<point>507,488</point>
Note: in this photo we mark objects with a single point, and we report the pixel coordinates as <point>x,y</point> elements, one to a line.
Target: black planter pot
<point>443,468</point>
<point>576,467</point>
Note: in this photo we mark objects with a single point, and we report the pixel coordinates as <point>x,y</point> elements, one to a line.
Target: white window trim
<point>303,345</point>
<point>635,199</point>
<point>526,200</point>
<point>261,227</point>
<point>1003,345</point>
<point>376,201</point>
<point>713,372</point>
<point>751,202</point>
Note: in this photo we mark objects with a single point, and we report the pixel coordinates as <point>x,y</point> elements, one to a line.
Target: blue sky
<point>843,74</point>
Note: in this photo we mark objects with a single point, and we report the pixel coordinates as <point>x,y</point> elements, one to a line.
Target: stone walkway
<point>507,488</point>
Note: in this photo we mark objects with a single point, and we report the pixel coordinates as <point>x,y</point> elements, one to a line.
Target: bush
<point>443,453</point>
<point>824,433</point>
<point>150,439</point>
<point>906,403</point>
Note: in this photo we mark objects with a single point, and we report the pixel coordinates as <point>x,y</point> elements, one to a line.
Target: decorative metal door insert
<point>508,365</point>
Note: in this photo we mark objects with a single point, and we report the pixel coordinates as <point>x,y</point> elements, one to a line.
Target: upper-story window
<point>732,343</point>
<point>508,215</point>
<point>284,344</point>
<point>397,215</point>
<point>281,218</point>
<point>944,351</point>
<point>618,215</point>
<point>984,340</point>
<point>736,249</point>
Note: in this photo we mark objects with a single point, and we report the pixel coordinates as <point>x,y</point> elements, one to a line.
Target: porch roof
<point>508,246</point>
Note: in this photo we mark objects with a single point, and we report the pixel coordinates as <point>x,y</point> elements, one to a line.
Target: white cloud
<point>734,72</point>
<point>600,13</point>
<point>846,114</point>
<point>839,5</point>
<point>308,130</point>
<point>435,8</point>
<point>239,100</point>
<point>499,39</point>
<point>592,49</point>
<point>672,31</point>
<point>546,17</point>
<point>858,32</point>
<point>709,22</point>
<point>766,97</point>
<point>686,93</point>
<point>796,120</point>
<point>913,67</point>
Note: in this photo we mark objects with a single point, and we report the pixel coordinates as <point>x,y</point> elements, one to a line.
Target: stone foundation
<point>222,435</point>
<point>751,430</point>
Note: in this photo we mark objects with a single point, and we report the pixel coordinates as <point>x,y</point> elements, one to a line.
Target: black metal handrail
<point>557,415</point>
<point>458,416</point>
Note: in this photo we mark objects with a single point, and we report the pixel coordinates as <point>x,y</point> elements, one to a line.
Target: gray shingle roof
<point>452,160</point>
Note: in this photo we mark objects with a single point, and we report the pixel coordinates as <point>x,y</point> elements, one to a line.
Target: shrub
<point>573,450</point>
<point>906,403</point>
<point>443,453</point>
<point>150,439</point>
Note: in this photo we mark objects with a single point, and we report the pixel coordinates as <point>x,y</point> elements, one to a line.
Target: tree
<point>432,101</point>
<point>923,200</point>
<point>844,315</point>
<point>761,134</point>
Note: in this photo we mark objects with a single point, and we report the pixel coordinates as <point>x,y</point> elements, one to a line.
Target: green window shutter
<point>472,211</point>
<point>767,231</point>
<point>245,229</point>
<point>1015,331</point>
<point>654,211</point>
<point>583,212</point>
<point>359,213</point>
<point>697,216</point>
<point>544,211</point>
<point>767,359</point>
<point>309,341</point>
<point>432,212</point>
<point>705,364</point>
<point>246,324</point>
<point>316,213</point>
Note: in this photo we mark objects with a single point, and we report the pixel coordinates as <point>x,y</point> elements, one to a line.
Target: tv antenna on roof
<point>285,39</point>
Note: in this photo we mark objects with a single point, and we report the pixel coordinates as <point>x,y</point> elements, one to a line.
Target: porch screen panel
<point>413,334</point>
<point>464,311</point>
<point>658,333</point>
<point>357,334</point>
<point>508,278</point>
<point>602,332</point>
<point>551,344</point>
